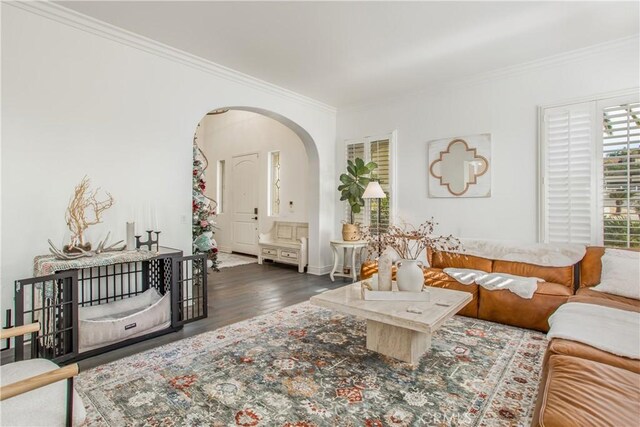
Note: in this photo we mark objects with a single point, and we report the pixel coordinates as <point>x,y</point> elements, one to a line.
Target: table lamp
<point>375,191</point>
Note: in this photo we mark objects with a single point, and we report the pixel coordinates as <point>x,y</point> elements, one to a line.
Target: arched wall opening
<point>310,170</point>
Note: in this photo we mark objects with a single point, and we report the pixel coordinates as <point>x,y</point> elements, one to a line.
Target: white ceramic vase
<point>410,276</point>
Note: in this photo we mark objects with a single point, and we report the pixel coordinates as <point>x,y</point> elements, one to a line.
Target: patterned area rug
<point>226,260</point>
<point>305,366</point>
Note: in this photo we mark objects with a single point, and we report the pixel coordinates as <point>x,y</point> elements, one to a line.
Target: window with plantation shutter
<point>354,151</point>
<point>621,175</point>
<point>568,181</point>
<point>590,172</point>
<point>378,150</point>
<point>380,154</point>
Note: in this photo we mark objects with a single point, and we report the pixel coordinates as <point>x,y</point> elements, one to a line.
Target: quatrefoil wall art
<point>460,167</point>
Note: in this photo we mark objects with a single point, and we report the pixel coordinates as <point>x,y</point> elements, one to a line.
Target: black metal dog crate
<point>54,300</point>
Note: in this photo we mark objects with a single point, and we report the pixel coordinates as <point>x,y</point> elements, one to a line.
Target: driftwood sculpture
<point>84,210</point>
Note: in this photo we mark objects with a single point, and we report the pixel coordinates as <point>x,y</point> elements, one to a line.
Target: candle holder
<point>150,240</point>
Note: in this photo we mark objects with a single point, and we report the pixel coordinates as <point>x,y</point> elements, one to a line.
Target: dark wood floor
<point>236,294</point>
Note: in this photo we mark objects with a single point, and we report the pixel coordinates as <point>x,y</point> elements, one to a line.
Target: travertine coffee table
<point>391,329</point>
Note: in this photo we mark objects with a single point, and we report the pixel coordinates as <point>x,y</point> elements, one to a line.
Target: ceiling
<point>346,53</point>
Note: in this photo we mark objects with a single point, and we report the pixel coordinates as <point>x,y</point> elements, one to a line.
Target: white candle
<point>131,232</point>
<point>137,220</point>
<point>149,225</point>
<point>154,219</point>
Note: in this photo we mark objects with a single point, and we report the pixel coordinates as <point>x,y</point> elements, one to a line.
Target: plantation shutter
<point>621,175</point>
<point>355,150</point>
<point>568,162</point>
<point>380,154</point>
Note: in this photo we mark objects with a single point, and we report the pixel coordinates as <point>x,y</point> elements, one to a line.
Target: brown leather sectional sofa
<point>501,306</point>
<point>582,385</point>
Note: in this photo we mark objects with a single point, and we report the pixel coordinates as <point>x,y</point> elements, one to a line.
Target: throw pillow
<point>620,273</point>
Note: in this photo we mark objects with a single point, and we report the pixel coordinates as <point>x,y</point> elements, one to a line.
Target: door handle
<point>255,217</point>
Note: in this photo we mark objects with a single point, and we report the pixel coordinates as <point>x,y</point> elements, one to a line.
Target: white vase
<point>410,276</point>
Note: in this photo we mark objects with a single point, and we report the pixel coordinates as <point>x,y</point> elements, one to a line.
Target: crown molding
<point>102,29</point>
<point>506,72</point>
<point>632,91</point>
<point>551,61</point>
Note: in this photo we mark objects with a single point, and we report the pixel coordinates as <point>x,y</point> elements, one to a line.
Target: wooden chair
<point>29,391</point>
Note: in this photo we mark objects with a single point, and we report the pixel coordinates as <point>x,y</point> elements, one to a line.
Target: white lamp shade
<point>374,191</point>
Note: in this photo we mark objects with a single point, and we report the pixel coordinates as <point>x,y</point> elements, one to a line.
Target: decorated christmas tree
<point>204,210</point>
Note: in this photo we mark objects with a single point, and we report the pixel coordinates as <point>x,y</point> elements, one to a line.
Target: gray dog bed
<point>105,324</point>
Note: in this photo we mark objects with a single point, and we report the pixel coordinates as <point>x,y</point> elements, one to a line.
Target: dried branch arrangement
<point>84,210</point>
<point>408,241</point>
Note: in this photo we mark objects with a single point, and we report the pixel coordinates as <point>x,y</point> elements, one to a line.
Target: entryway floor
<point>236,294</point>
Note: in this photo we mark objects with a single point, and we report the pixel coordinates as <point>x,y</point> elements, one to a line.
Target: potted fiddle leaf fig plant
<point>351,188</point>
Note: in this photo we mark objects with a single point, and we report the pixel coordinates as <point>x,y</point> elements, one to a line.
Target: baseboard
<point>319,271</point>
<point>226,249</point>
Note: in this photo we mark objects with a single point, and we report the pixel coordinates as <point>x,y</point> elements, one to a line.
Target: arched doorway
<point>307,174</point>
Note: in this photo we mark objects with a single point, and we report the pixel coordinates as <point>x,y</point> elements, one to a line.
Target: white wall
<point>236,133</point>
<point>87,99</point>
<point>504,105</point>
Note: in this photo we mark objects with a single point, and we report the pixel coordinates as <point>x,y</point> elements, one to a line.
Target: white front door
<point>245,185</point>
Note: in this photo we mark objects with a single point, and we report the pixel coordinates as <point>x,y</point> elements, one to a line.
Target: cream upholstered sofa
<point>287,243</point>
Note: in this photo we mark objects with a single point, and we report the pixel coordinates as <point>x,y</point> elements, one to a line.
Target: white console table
<point>356,247</point>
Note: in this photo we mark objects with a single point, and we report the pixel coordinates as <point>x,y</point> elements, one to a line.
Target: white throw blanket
<point>466,276</point>
<point>609,329</point>
<point>546,255</point>
<point>524,287</point>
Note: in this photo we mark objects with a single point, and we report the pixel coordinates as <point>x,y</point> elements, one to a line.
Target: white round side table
<point>356,247</point>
